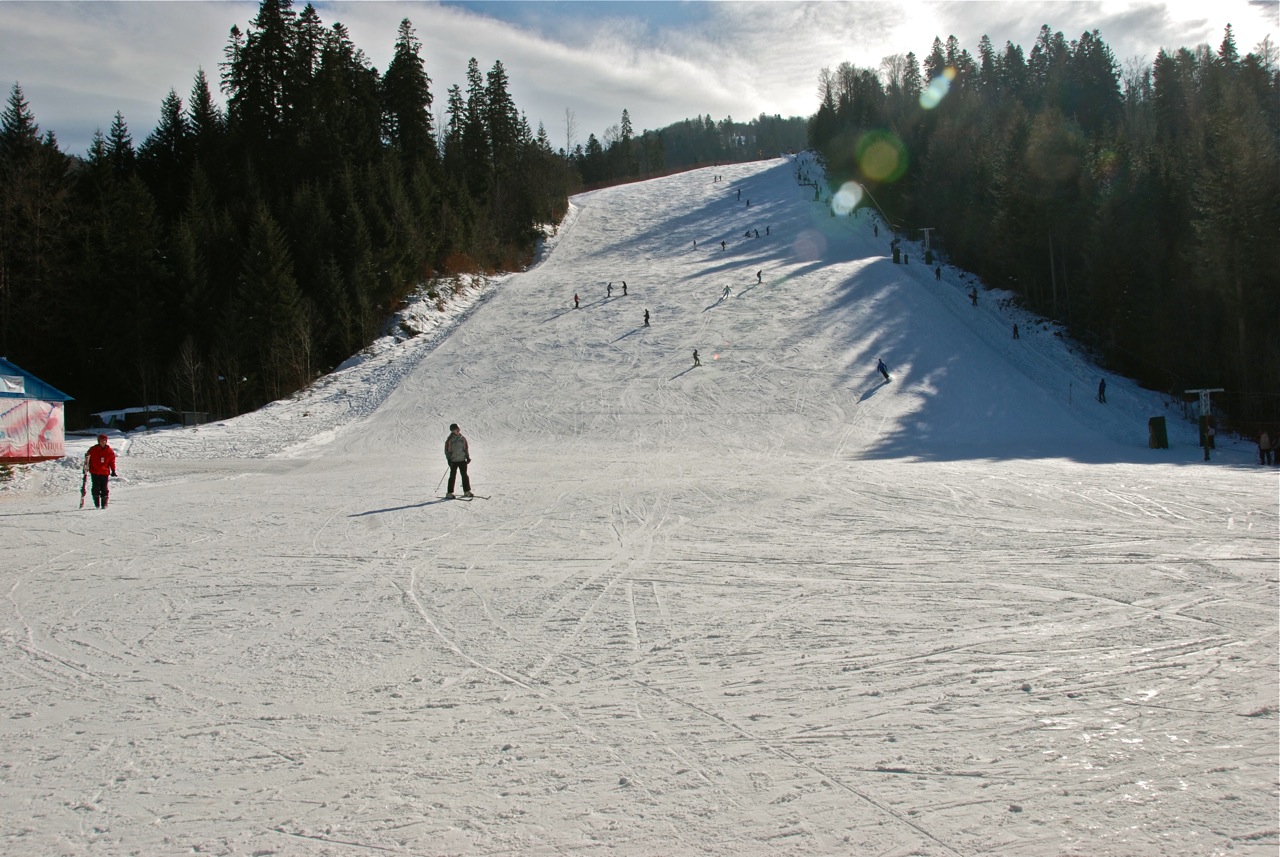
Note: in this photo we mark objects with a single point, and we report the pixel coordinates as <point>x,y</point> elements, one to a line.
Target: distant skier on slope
<point>696,361</point>
<point>458,453</point>
<point>883,369</point>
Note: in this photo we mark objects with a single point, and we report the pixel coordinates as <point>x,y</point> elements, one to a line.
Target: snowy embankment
<point>771,604</point>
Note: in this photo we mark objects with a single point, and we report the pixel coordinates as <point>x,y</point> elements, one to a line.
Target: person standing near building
<point>100,461</point>
<point>458,453</point>
<point>1264,448</point>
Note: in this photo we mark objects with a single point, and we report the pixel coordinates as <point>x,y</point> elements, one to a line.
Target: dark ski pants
<point>456,467</point>
<point>100,490</point>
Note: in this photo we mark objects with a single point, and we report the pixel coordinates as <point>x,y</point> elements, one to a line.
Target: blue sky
<point>79,63</point>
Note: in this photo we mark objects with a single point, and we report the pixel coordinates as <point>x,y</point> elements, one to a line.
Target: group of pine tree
<point>237,253</point>
<point>1138,207</point>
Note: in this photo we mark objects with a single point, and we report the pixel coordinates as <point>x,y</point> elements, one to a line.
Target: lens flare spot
<point>937,89</point>
<point>809,245</point>
<point>847,198</point>
<point>882,156</point>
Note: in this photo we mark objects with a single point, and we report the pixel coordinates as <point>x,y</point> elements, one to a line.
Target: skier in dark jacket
<point>100,461</point>
<point>882,369</point>
<point>458,453</point>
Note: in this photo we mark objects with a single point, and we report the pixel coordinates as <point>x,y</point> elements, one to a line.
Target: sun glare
<point>847,198</point>
<point>937,89</point>
<point>882,156</point>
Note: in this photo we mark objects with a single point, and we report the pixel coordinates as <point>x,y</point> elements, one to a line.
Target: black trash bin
<point>1158,435</point>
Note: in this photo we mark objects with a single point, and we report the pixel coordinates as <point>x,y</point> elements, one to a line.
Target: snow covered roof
<point>107,416</point>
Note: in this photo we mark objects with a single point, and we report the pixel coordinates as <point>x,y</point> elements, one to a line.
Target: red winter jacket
<point>102,460</point>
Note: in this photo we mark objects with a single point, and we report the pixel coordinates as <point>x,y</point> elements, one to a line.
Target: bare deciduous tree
<point>570,130</point>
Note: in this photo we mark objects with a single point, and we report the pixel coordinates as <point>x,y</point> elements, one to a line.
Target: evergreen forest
<point>1139,207</point>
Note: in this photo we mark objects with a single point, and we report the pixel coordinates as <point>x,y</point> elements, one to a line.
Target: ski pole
<point>442,476</point>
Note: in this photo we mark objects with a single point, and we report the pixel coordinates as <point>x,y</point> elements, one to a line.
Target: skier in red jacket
<point>100,461</point>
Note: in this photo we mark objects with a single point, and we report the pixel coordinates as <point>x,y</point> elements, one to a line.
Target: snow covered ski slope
<point>768,605</point>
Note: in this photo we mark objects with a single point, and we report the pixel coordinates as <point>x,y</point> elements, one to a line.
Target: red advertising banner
<point>30,430</point>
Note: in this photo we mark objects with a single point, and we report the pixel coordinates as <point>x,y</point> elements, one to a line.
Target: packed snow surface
<point>772,604</point>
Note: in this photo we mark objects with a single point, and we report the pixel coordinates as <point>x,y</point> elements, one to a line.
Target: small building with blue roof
<point>31,417</point>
